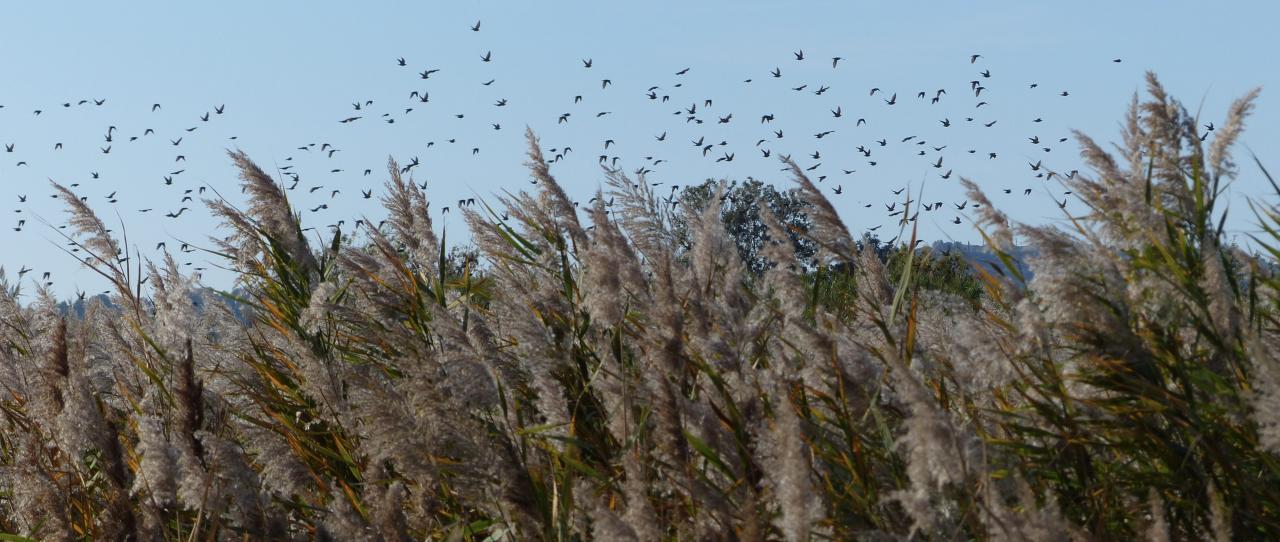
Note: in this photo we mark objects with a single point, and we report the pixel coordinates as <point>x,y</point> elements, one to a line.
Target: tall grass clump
<point>623,374</point>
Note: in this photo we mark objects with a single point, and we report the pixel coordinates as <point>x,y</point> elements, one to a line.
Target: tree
<point>741,215</point>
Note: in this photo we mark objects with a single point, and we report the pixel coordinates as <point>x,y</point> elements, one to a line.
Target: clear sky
<point>288,72</point>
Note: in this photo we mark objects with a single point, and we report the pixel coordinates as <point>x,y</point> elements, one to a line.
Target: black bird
<point>488,55</point>
<point>426,74</point>
<point>892,99</point>
<point>837,113</point>
<point>834,60</point>
<point>401,62</point>
<point>476,28</point>
<point>682,72</point>
<point>605,83</point>
<point>219,109</point>
<point>799,54</point>
<point>974,58</point>
<point>586,63</point>
<point>777,72</point>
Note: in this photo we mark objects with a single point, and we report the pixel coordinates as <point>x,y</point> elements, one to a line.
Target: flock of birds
<point>698,130</point>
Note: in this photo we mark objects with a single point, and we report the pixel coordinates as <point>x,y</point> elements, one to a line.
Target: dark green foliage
<point>740,211</point>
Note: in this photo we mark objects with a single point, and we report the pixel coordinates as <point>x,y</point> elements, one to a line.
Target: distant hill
<point>982,256</point>
<point>77,308</point>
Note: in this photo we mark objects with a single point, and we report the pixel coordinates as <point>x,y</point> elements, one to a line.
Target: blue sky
<point>287,72</point>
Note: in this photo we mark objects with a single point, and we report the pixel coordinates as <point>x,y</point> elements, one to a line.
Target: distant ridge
<point>982,256</point>
<point>77,308</point>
